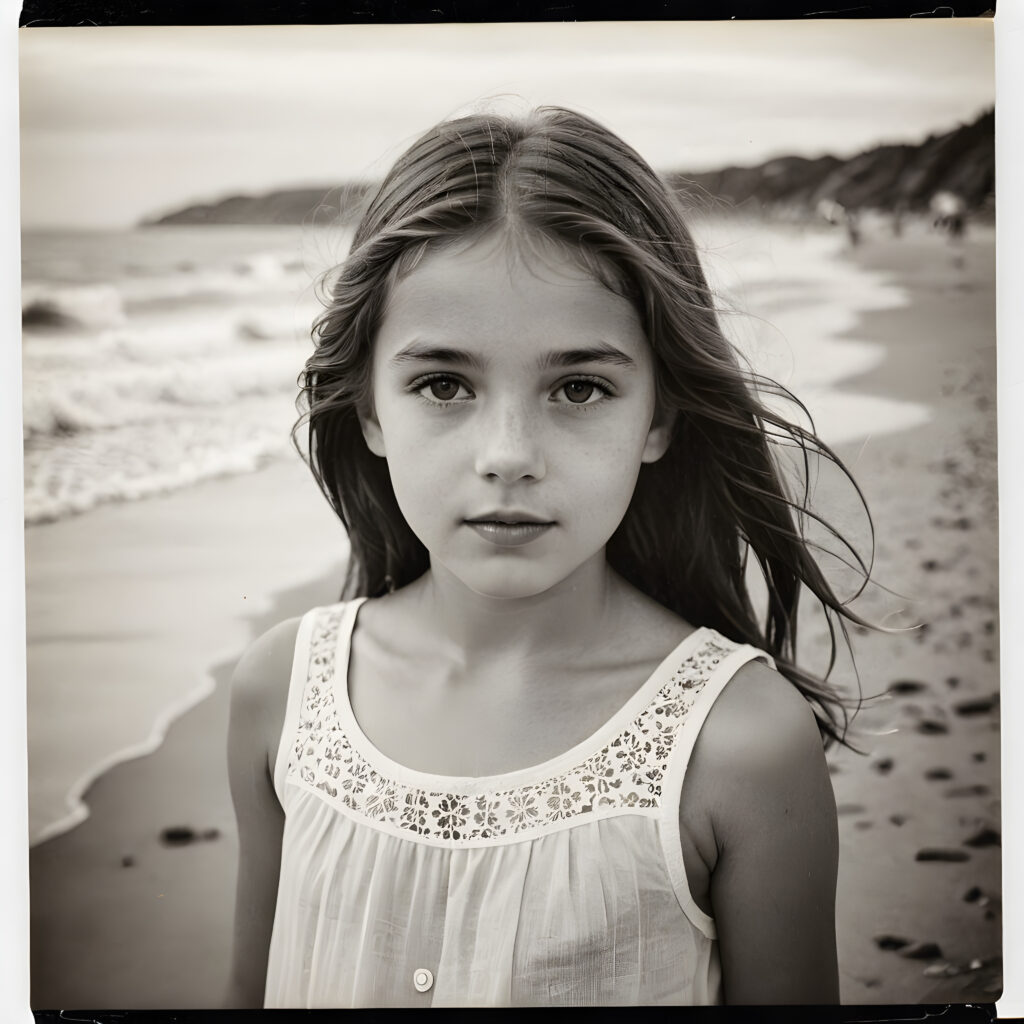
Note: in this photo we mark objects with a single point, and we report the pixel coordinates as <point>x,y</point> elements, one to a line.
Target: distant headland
<point>894,177</point>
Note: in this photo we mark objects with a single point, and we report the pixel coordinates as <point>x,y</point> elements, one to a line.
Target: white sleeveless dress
<point>560,884</point>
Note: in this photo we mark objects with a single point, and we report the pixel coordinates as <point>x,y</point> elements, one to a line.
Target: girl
<point>546,752</point>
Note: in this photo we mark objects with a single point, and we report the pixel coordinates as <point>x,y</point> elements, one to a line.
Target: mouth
<point>511,519</point>
<point>509,529</point>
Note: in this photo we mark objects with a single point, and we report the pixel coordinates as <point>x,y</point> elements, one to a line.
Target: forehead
<point>499,289</point>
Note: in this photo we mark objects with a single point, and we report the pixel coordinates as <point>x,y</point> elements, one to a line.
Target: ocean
<point>156,358</point>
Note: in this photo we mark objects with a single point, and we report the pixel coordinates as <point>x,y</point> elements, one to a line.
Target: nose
<point>509,446</point>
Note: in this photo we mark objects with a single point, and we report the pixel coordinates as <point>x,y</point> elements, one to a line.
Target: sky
<point>122,123</point>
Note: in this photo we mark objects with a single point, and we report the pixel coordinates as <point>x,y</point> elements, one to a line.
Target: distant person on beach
<point>835,214</point>
<point>949,214</point>
<point>546,751</point>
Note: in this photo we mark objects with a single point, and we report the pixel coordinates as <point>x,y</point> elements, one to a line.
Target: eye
<point>582,391</point>
<point>444,389</point>
<point>440,388</point>
<point>579,391</point>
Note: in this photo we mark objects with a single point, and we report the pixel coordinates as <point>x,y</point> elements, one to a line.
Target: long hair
<point>715,499</point>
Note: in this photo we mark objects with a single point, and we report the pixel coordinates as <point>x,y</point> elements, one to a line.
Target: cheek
<point>423,477</point>
<point>602,472</point>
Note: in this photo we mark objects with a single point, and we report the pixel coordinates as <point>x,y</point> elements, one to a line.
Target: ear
<point>372,433</point>
<point>659,436</point>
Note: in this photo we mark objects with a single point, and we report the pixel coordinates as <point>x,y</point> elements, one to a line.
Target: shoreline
<point>148,901</point>
<point>93,615</point>
<point>165,894</point>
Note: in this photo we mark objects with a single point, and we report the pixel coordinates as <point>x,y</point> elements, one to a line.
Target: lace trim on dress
<point>625,773</point>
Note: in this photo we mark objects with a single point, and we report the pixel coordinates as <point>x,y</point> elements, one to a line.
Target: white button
<point>422,979</point>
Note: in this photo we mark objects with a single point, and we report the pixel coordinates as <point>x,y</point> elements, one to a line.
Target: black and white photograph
<point>511,514</point>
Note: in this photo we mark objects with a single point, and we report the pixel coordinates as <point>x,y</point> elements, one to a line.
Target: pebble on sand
<point>940,774</point>
<point>182,835</point>
<point>922,951</point>
<point>891,942</point>
<point>938,854</point>
<point>984,837</point>
<point>981,706</point>
<point>973,894</point>
<point>178,835</point>
<point>902,687</point>
<point>932,727</point>
<point>883,766</point>
<point>978,789</point>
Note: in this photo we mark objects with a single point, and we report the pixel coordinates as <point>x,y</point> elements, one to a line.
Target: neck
<point>573,616</point>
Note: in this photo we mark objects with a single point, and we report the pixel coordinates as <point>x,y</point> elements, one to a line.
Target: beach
<point>138,611</point>
<point>919,911</point>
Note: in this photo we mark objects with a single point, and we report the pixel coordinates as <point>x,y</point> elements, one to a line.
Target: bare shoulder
<point>260,667</point>
<point>259,684</point>
<point>759,718</point>
<point>759,755</point>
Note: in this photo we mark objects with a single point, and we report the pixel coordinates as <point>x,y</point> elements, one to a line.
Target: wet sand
<point>167,591</point>
<point>122,919</point>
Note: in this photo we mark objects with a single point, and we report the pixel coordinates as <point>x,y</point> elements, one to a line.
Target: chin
<point>506,583</point>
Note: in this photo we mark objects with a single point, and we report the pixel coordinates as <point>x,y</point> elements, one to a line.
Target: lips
<point>509,518</point>
<point>509,529</point>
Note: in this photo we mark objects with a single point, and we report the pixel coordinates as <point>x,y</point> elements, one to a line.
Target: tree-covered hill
<point>887,177</point>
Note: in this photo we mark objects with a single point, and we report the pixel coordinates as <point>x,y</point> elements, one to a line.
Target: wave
<point>69,401</point>
<point>64,477</point>
<point>49,305</point>
<point>75,808</point>
<point>92,305</point>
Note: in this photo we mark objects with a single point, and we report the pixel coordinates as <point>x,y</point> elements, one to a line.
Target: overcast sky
<point>118,123</point>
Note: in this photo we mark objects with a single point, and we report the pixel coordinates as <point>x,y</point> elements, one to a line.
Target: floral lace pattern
<point>625,773</point>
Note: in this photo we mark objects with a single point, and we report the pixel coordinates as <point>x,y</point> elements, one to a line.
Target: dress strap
<point>296,688</point>
<point>672,788</point>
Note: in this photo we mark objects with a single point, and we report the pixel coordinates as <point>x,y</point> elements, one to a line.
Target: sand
<point>173,599</point>
<point>122,920</point>
<point>932,784</point>
<point>154,591</point>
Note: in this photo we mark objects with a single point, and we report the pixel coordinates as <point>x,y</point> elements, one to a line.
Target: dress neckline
<point>430,781</point>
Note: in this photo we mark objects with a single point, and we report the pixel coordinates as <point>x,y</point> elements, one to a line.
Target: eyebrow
<point>418,352</point>
<point>602,353</point>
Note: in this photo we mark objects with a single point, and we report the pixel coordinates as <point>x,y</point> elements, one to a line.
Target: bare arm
<point>259,689</point>
<point>772,812</point>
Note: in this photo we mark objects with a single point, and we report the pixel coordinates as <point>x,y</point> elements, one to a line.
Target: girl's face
<point>514,401</point>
